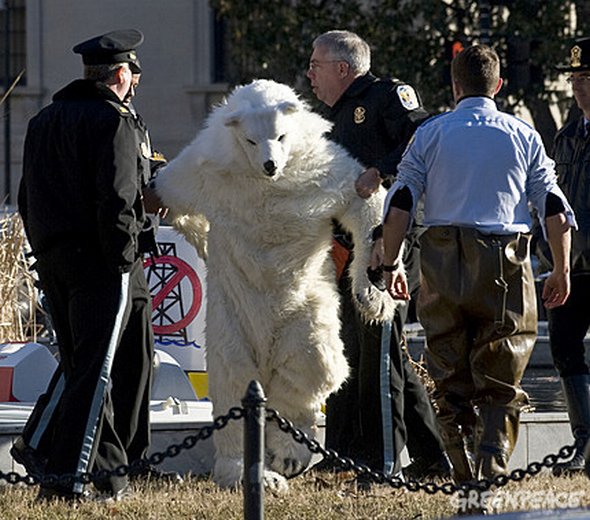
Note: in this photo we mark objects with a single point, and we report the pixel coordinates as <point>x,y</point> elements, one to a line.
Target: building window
<point>12,41</point>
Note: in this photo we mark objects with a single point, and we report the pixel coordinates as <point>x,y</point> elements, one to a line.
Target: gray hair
<point>103,72</point>
<point>346,46</point>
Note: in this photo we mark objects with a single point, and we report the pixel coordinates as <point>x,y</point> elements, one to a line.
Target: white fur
<point>272,300</point>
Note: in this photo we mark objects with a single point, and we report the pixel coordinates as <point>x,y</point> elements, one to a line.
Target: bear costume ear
<point>233,119</point>
<point>289,107</point>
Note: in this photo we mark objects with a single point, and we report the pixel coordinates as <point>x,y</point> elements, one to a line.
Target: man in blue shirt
<point>478,169</point>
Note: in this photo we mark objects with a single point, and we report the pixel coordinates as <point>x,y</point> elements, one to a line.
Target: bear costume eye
<point>281,137</point>
<point>253,143</point>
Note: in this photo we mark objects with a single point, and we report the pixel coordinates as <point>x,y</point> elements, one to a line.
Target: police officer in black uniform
<point>373,119</point>
<point>570,323</point>
<point>81,203</point>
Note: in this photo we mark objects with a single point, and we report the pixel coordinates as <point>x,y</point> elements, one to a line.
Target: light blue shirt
<point>479,167</point>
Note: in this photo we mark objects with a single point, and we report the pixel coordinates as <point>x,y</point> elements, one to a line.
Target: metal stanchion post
<point>254,404</point>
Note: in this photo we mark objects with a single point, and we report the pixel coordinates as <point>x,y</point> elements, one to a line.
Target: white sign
<point>177,281</point>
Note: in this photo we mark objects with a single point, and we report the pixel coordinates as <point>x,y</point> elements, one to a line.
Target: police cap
<point>112,47</point>
<point>579,57</point>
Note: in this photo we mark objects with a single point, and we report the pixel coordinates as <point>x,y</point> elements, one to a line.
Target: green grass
<point>312,496</point>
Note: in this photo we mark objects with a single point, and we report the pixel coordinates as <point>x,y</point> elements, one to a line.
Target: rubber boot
<point>499,432</point>
<point>577,398</point>
<point>461,461</point>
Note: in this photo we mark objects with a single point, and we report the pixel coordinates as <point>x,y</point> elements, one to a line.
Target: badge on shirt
<point>146,150</point>
<point>407,97</point>
<point>359,115</point>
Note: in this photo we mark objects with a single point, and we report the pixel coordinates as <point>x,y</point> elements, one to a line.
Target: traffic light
<point>452,48</point>
<point>456,47</point>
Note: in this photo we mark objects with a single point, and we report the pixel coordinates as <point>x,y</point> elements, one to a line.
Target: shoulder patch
<point>122,110</point>
<point>407,97</point>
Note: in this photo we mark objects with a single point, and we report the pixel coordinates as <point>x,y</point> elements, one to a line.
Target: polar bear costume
<point>269,183</point>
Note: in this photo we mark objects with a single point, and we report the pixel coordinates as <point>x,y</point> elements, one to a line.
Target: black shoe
<point>28,457</point>
<point>329,466</point>
<point>423,469</point>
<point>571,467</point>
<point>151,473</point>
<point>325,465</point>
<point>52,494</point>
<point>363,483</point>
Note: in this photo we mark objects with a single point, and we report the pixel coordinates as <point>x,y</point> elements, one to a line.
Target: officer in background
<point>383,405</point>
<point>81,203</point>
<point>568,325</point>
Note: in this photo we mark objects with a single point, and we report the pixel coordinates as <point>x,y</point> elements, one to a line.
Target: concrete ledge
<point>541,434</point>
<point>172,421</point>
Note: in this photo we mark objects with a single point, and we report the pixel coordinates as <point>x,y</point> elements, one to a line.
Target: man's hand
<point>557,286</point>
<point>374,271</point>
<point>152,202</point>
<point>377,254</point>
<point>394,230</point>
<point>396,285</point>
<point>556,289</point>
<point>368,183</point>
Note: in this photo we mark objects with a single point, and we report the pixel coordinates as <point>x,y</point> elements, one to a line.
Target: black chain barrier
<point>136,466</point>
<point>236,413</point>
<point>448,488</point>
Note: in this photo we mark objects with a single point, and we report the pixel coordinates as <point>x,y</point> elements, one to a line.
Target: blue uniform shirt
<point>479,167</point>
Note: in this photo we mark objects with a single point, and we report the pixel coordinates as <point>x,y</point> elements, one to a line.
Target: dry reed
<point>18,295</point>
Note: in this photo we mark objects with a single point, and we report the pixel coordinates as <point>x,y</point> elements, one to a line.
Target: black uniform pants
<point>355,414</point>
<point>568,326</point>
<point>95,413</point>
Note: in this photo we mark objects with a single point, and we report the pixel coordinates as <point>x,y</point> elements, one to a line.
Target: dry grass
<point>312,496</point>
<point>18,308</point>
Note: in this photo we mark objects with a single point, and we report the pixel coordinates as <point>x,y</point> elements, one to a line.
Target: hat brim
<point>566,67</point>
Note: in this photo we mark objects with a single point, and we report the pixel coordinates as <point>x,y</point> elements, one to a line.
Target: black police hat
<point>579,57</point>
<point>112,47</point>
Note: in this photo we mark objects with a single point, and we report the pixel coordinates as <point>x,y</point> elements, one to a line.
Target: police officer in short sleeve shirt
<point>373,119</point>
